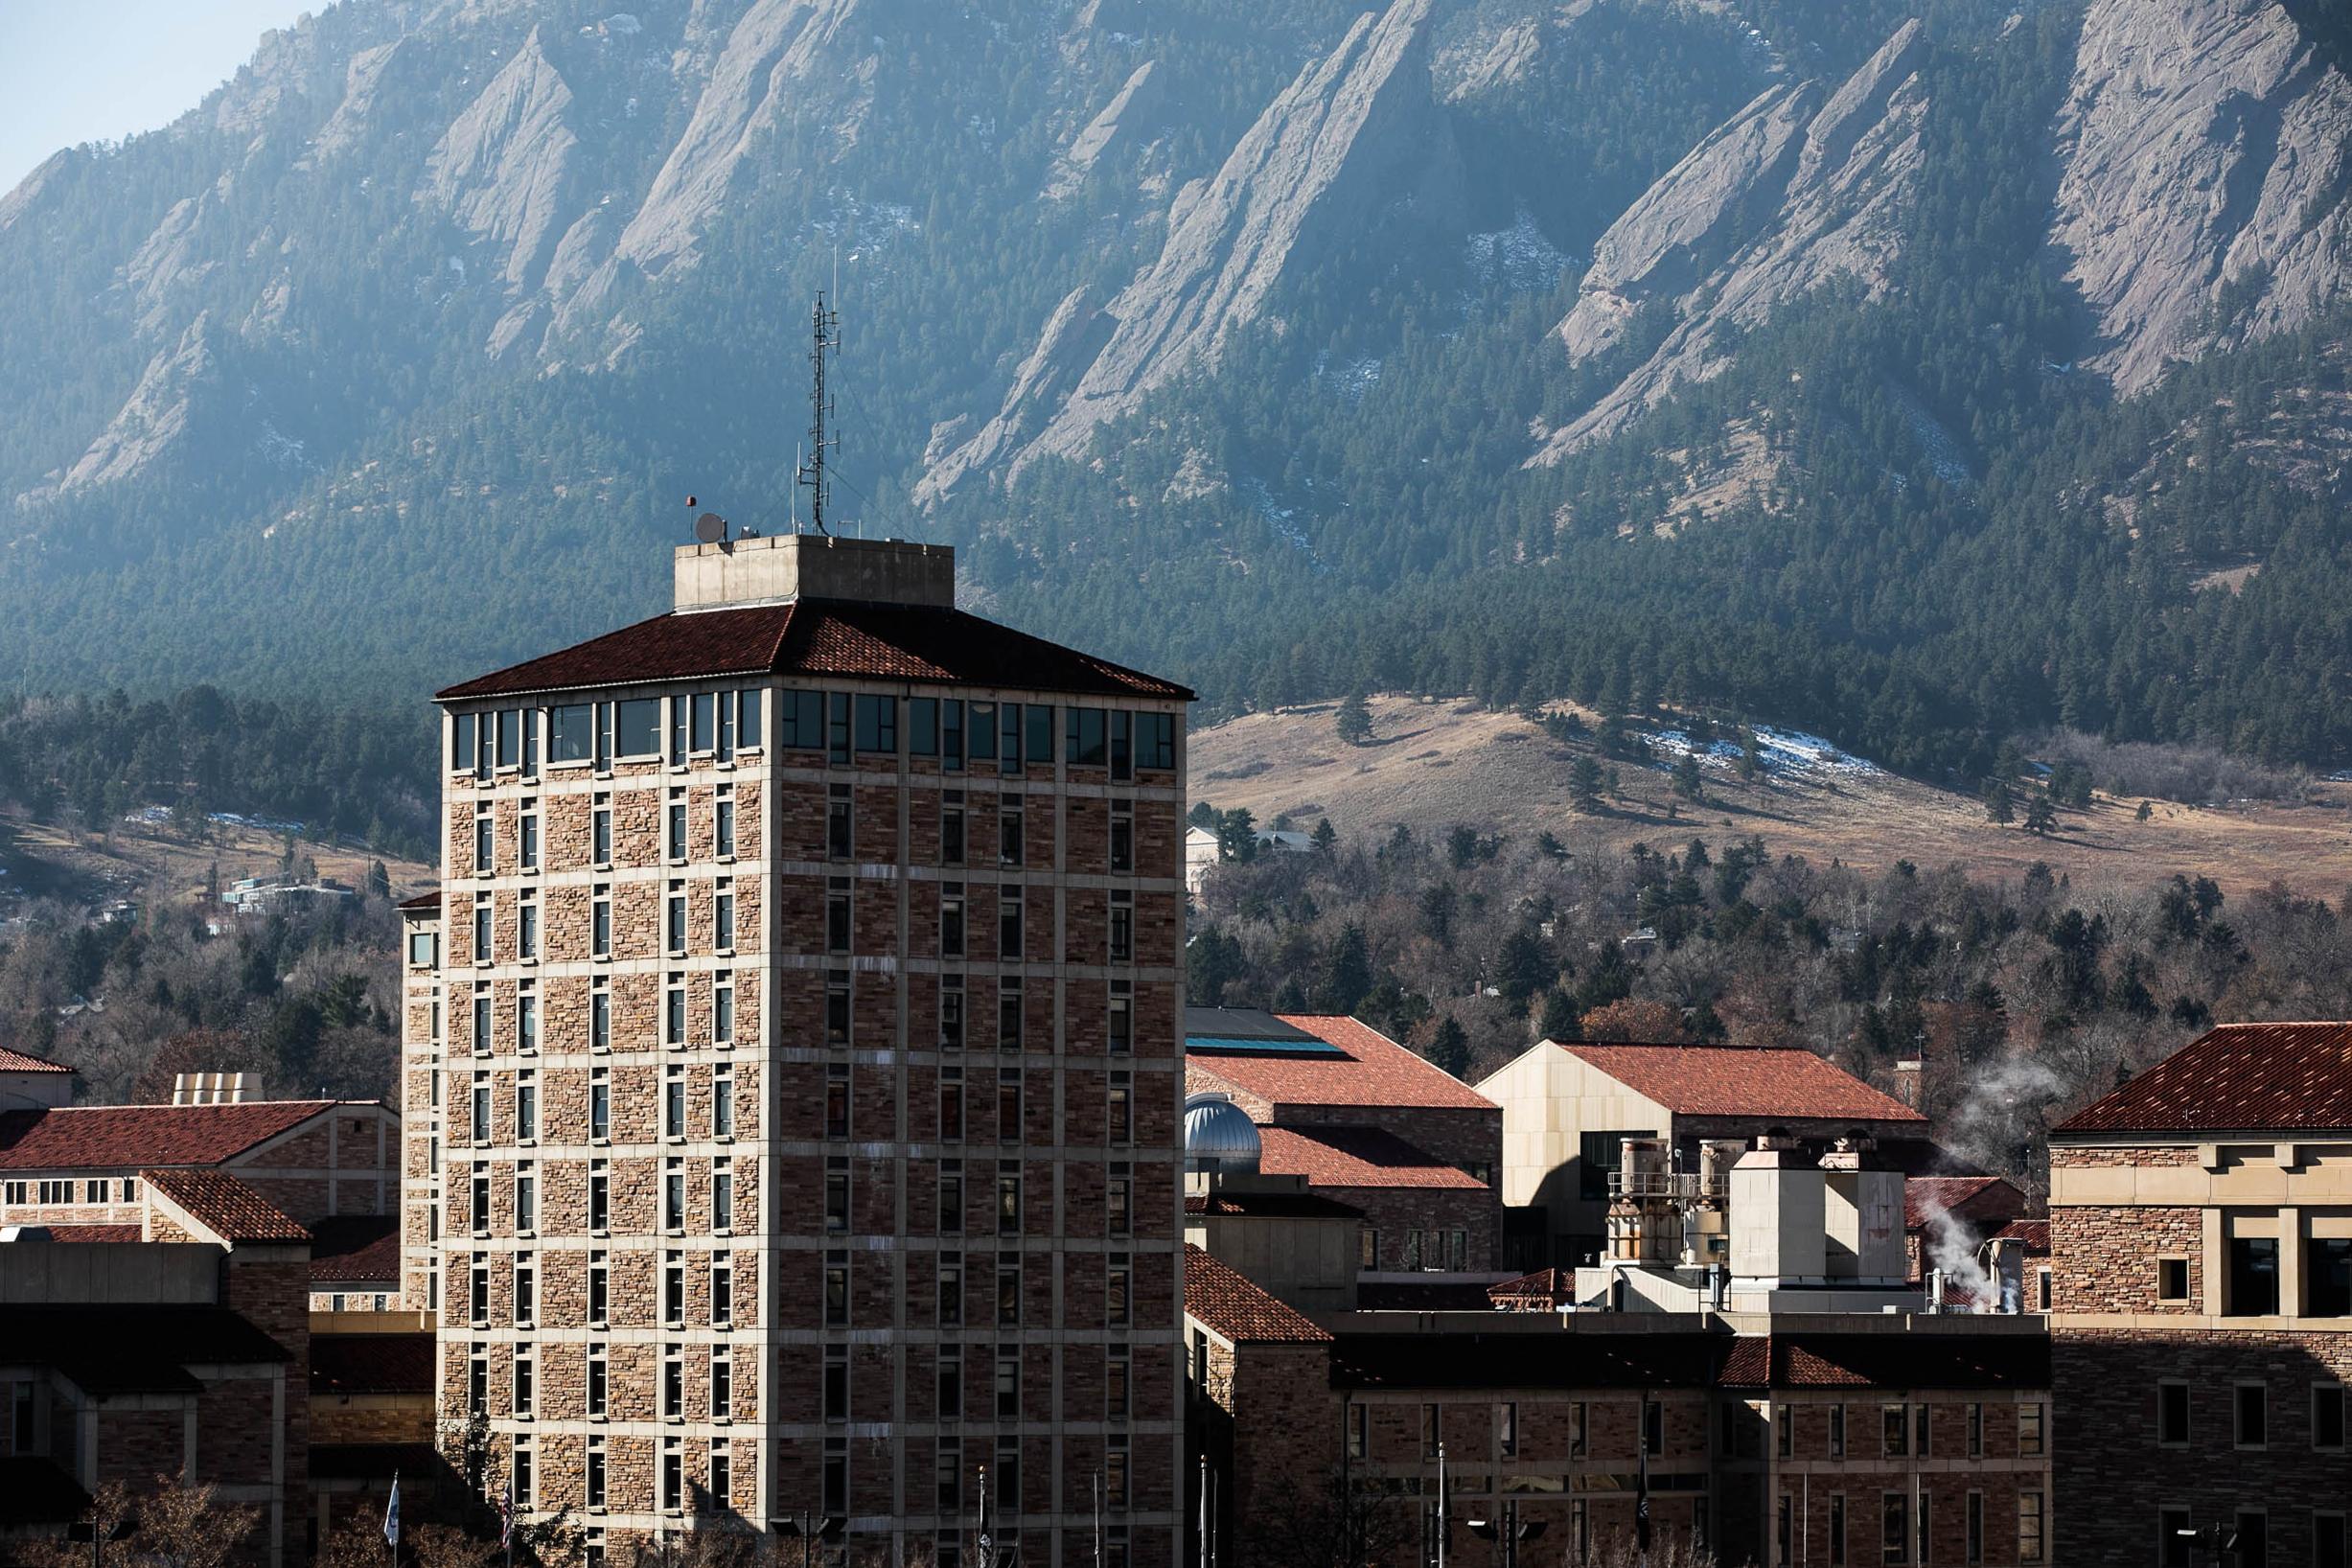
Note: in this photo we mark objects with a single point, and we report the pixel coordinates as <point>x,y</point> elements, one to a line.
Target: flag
<point>392,1515</point>
<point>506,1518</point>
<point>1641,1494</point>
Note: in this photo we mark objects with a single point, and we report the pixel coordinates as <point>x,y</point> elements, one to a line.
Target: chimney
<point>1909,1086</point>
<point>766,570</point>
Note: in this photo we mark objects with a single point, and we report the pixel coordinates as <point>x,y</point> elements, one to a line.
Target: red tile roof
<point>95,1233</point>
<point>1270,1206</point>
<point>2239,1077</point>
<point>1783,1083</point>
<point>17,1061</point>
<point>1355,1156</point>
<point>422,903</point>
<point>1890,1361</point>
<point>348,1364</point>
<point>1970,1197</point>
<point>2034,1232</point>
<point>1545,1288</point>
<point>103,1136</point>
<point>1238,1310</point>
<point>1373,1069</point>
<point>225,1206</point>
<point>355,1249</point>
<point>821,637</point>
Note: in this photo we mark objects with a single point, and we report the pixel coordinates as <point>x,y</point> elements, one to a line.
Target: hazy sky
<point>93,70</point>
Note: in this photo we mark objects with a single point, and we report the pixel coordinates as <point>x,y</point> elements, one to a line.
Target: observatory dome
<point>1219,1136</point>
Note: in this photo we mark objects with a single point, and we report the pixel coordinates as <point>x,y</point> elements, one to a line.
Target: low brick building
<point>2200,1242</point>
<point>1839,1439</point>
<point>1369,1124</point>
<point>80,1164</point>
<point>173,1346</point>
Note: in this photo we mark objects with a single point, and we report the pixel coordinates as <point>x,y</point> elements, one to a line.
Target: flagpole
<point>1440,1505</point>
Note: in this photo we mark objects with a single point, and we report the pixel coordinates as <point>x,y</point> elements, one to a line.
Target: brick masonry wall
<point>2105,1258</point>
<point>2114,1473</point>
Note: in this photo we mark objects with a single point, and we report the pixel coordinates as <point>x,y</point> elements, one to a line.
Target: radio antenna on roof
<point>824,336</point>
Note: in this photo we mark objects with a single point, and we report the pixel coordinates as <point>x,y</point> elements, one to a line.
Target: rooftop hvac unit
<point>215,1088</point>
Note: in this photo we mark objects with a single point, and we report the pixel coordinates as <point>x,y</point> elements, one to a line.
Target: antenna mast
<point>824,336</point>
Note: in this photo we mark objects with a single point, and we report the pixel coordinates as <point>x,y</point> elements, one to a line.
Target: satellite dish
<point>710,528</point>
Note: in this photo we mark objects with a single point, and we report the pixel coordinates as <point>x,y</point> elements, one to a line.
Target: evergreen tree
<point>1325,837</point>
<point>2040,817</point>
<point>1355,720</point>
<point>1450,1048</point>
<point>1999,804</point>
<point>1348,970</point>
<point>1561,1019</point>
<point>1584,785</point>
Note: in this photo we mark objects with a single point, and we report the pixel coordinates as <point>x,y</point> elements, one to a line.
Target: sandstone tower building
<point>791,1065</point>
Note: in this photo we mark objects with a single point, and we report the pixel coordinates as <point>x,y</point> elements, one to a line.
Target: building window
<point>949,1388</point>
<point>1122,837</point>
<point>1155,742</point>
<point>599,1383</point>
<point>951,1290</point>
<point>951,920</point>
<point>1009,1196</point>
<point>1117,1277</point>
<point>1599,1155</point>
<point>674,1195</point>
<point>1009,1289</point>
<point>1838,1431</point>
<point>1009,922</point>
<point>1507,1429</point>
<point>837,1196</point>
<point>840,841</point>
<point>600,1106</point>
<point>1008,1015</point>
<point>2172,1414</point>
<point>723,1009</point>
<point>600,1016</point>
<point>599,1199</point>
<point>1122,928</point>
<point>2030,1440</point>
<point>477,1382</point>
<point>485,842</point>
<point>526,1382</point>
<point>1122,744</point>
<point>673,1290</point>
<point>527,1291</point>
<point>1838,1530</point>
<point>721,1479</point>
<point>594,1482</point>
<point>722,1197</point>
<point>2253,1276</point>
<point>526,837</point>
<point>526,1019</point>
<point>836,914</point>
<point>1359,1430</point>
<point>1117,1384</point>
<point>526,1199</point>
<point>836,1404</point>
<point>723,916</point>
<point>721,1291</point>
<point>1433,1430</point>
<point>1008,1382</point>
<point>721,1102</point>
<point>837,1010</point>
<point>479,1126</point>
<point>2327,1416</point>
<point>837,1100</point>
<point>1897,1431</point>
<point>2253,1539</point>
<point>948,1476</point>
<point>1894,1526</point>
<point>673,1476</point>
<point>1653,1427</point>
<point>2327,1276</point>
<point>1008,1113</point>
<point>2030,1535</point>
<point>837,1290</point>
<point>481,929</point>
<point>600,831</point>
<point>799,723</point>
<point>477,1293</point>
<point>877,722</point>
<point>526,929</point>
<point>1119,1117</point>
<point>951,1105</point>
<point>835,1484</point>
<point>1123,1018</point>
<point>723,823</point>
<point>951,1197</point>
<point>1119,1201</point>
<point>951,1012</point>
<point>2328,1549</point>
<point>674,1013</point>
<point>1010,846</point>
<point>526,1107</point>
<point>2251,1401</point>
